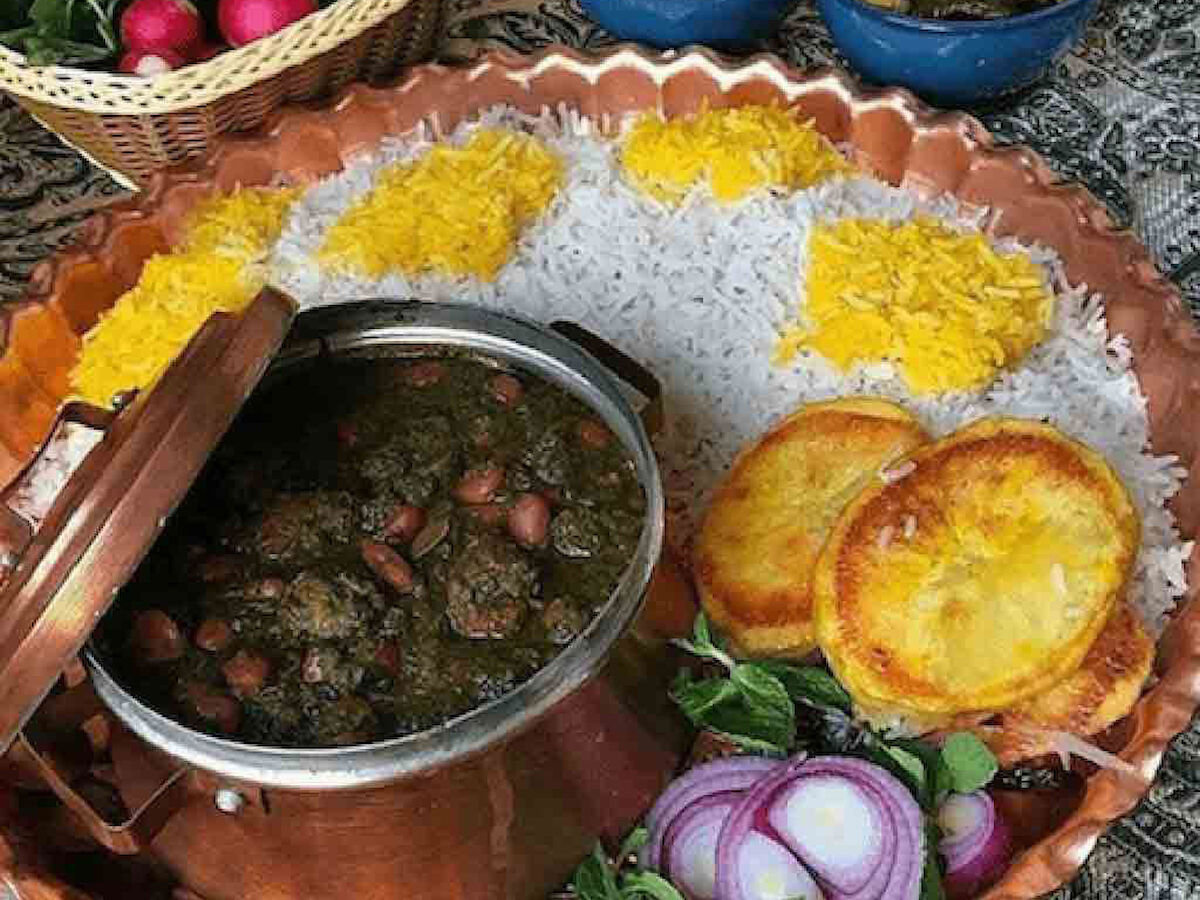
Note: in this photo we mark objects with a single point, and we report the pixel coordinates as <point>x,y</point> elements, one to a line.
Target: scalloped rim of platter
<point>892,134</point>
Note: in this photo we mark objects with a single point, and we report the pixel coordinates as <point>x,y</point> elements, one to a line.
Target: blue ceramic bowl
<point>954,63</point>
<point>724,24</point>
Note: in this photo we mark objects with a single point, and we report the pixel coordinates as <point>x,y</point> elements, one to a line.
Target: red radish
<point>243,21</point>
<point>205,51</point>
<point>161,25</point>
<point>151,62</point>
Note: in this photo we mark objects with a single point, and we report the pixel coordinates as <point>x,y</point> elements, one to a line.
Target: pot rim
<point>370,324</point>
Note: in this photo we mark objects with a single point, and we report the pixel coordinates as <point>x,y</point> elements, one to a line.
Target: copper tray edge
<point>895,135</point>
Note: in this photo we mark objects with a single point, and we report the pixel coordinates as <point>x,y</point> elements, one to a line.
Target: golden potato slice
<point>758,543</point>
<point>975,573</point>
<point>1102,690</point>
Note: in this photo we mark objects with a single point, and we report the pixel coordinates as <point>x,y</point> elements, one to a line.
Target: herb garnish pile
<point>775,708</point>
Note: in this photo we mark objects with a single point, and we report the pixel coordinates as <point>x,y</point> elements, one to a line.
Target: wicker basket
<point>136,125</point>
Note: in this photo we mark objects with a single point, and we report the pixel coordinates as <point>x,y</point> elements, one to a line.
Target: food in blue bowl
<point>955,52</point>
<point>724,24</point>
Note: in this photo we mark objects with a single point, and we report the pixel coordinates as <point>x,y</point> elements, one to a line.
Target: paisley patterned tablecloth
<point>1121,114</point>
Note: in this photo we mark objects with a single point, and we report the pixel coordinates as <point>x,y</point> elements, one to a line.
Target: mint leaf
<point>648,884</point>
<point>746,730</point>
<point>633,843</point>
<point>594,879</point>
<point>765,697</point>
<point>702,644</point>
<point>912,766</point>
<point>970,763</point>
<point>809,684</point>
<point>697,698</point>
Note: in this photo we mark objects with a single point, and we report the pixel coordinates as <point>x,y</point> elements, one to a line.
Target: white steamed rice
<point>699,294</point>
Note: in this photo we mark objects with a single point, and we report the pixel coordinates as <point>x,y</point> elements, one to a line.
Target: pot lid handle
<point>114,505</point>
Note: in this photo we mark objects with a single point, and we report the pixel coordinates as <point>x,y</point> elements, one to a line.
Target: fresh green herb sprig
<point>599,878</point>
<point>754,703</point>
<point>65,31</point>
<point>768,706</point>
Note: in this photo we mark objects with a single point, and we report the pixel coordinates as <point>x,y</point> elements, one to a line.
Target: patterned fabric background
<point>1121,114</point>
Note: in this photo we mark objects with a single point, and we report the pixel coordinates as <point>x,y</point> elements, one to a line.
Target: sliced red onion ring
<point>691,846</point>
<point>728,777</point>
<point>977,843</point>
<point>840,829</point>
<point>770,830</point>
<point>766,870</point>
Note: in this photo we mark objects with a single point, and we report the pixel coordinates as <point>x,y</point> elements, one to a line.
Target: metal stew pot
<point>501,802</point>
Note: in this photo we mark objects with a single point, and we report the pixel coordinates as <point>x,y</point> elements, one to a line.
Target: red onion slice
<point>976,843</point>
<point>766,870</point>
<point>690,846</point>
<point>899,877</point>
<point>889,867</point>
<point>839,828</point>
<point>731,775</point>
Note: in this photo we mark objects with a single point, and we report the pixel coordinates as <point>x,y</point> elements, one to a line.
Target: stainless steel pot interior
<point>406,328</point>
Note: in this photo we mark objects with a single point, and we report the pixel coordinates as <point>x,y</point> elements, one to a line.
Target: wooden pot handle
<point>68,711</point>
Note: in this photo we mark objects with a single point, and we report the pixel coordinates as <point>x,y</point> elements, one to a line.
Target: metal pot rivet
<point>229,801</point>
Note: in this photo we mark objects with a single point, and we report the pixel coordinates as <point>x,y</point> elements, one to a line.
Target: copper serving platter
<point>890,133</point>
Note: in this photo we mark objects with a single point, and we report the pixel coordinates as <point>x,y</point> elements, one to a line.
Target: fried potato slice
<point>976,573</point>
<point>758,543</point>
<point>1102,690</point>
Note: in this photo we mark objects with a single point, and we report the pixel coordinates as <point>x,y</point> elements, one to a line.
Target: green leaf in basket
<point>15,38</point>
<point>43,51</point>
<point>70,32</point>
<point>52,17</point>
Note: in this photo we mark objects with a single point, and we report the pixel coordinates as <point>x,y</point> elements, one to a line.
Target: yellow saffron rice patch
<point>945,308</point>
<point>243,225</point>
<point>734,151</point>
<point>456,210</point>
<point>218,268</point>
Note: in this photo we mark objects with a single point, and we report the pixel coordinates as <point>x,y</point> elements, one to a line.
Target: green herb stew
<point>378,546</point>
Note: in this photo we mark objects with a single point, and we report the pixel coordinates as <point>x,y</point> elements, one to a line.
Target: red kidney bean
<point>594,434</point>
<point>506,390</point>
<point>389,565</point>
<point>479,485</point>
<point>215,706</point>
<point>389,657</point>
<point>266,589</point>
<point>156,638</point>
<point>312,669</point>
<point>425,374</point>
<point>215,569</point>
<point>404,522</point>
<point>529,519</point>
<point>246,672</point>
<point>213,635</point>
<point>347,434</point>
<point>488,513</point>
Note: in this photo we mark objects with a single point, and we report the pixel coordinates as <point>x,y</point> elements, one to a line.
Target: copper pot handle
<point>629,370</point>
<point>16,532</point>
<point>67,711</point>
